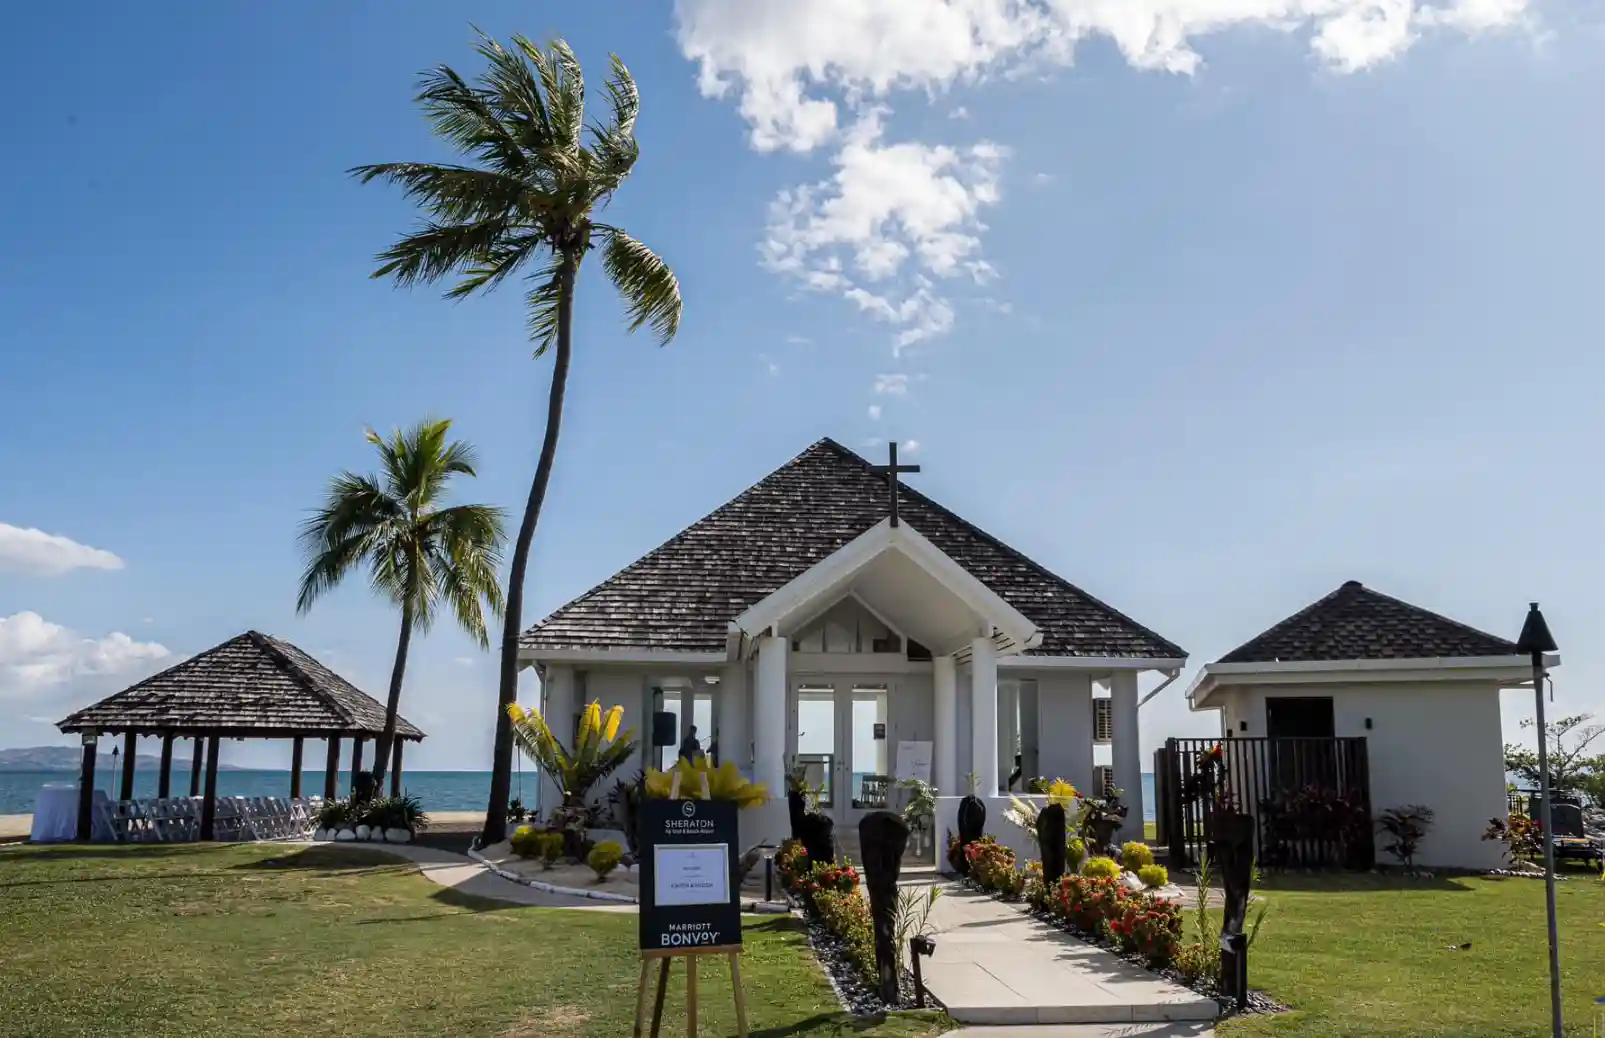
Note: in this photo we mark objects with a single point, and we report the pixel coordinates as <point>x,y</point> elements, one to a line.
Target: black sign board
<point>689,897</point>
<point>880,729</point>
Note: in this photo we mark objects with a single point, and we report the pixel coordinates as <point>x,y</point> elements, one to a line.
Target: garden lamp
<point>1534,641</point>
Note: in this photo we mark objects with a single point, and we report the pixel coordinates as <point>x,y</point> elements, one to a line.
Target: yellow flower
<point>1061,792</point>
<point>592,724</point>
<point>614,716</point>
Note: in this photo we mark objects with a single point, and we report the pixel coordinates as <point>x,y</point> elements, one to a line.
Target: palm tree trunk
<point>387,738</point>
<point>501,776</point>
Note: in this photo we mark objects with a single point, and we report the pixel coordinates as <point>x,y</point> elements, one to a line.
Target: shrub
<point>1075,854</point>
<point>992,866</point>
<point>1406,826</point>
<point>1522,836</point>
<point>955,853</point>
<point>1153,875</point>
<point>337,814</point>
<point>526,841</point>
<point>1101,868</point>
<point>604,858</point>
<point>830,877</point>
<point>1139,922</point>
<point>399,812</point>
<point>1035,888</point>
<point>551,848</point>
<point>846,914</point>
<point>791,862</point>
<point>1135,855</point>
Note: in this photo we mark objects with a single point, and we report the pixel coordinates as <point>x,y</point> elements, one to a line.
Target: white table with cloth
<point>55,814</point>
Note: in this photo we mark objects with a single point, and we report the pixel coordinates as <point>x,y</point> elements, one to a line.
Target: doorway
<point>842,735</point>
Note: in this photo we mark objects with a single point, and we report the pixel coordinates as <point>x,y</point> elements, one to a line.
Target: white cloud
<point>37,656</point>
<point>874,412</point>
<point>1042,178</point>
<point>464,661</point>
<point>959,113</point>
<point>911,445</point>
<point>798,340</point>
<point>27,550</point>
<point>806,74</point>
<point>892,385</point>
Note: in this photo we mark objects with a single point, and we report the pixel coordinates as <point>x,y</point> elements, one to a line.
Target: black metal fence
<point>1310,798</point>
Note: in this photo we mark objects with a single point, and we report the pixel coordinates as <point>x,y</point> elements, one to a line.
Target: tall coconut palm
<point>419,553</point>
<point>525,203</point>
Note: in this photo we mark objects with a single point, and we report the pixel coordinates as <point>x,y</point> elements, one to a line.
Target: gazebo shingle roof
<point>682,595</point>
<point>1356,623</point>
<point>250,684</point>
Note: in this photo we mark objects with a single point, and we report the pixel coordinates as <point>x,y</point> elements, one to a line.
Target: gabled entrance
<point>840,742</point>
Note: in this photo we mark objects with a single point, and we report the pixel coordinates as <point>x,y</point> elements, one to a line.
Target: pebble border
<point>550,888</point>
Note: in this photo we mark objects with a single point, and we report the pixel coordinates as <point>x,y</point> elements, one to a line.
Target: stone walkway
<point>466,876</point>
<point>994,964</point>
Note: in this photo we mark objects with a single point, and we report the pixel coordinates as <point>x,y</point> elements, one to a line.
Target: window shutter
<point>1103,720</point>
<point>1103,777</point>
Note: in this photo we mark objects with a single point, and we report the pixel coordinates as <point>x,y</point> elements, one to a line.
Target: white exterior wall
<point>1435,743</point>
<point>615,686</point>
<point>1064,726</point>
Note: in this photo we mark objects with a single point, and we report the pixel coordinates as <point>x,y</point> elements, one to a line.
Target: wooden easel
<point>733,952</point>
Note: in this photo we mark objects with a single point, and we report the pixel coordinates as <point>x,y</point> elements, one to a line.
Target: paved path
<point>466,876</point>
<point>994,964</point>
<point>1178,1030</point>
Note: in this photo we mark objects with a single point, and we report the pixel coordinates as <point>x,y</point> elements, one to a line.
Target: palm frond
<point>544,302</point>
<point>430,254</point>
<point>453,194</point>
<point>651,291</point>
<point>466,117</point>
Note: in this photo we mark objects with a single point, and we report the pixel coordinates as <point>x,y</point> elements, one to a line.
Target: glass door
<point>867,768</point>
<point>818,743</point>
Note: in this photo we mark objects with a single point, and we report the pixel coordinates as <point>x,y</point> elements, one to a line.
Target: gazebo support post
<point>395,767</point>
<point>209,803</point>
<point>197,760</point>
<point>130,741</point>
<point>295,768</point>
<point>164,781</point>
<point>356,760</point>
<point>331,770</point>
<point>86,788</point>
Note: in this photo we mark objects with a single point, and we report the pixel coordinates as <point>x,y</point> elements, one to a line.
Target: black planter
<point>1050,843</point>
<point>883,837</point>
<point>817,834</point>
<point>972,823</point>
<point>796,808</point>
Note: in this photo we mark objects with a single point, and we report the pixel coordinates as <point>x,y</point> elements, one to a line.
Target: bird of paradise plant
<point>599,750</point>
<point>700,780</point>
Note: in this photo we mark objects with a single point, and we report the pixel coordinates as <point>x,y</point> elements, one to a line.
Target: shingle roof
<point>250,683</point>
<point>1356,623</point>
<point>682,595</point>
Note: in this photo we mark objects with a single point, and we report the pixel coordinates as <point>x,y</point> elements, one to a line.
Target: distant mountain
<point>68,758</point>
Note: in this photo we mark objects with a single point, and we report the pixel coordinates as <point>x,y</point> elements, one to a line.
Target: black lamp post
<point>1535,640</point>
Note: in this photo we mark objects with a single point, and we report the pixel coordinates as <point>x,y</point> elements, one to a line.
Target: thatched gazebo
<point>250,687</point>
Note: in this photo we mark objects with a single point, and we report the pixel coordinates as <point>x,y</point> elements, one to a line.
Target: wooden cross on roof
<point>892,469</point>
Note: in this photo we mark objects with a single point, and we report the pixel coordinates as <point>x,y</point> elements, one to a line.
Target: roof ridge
<point>1451,621</point>
<point>1009,549</point>
<point>269,644</point>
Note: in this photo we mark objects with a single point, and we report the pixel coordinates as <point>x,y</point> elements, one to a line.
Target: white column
<point>735,743</point>
<point>557,707</point>
<point>945,752</point>
<point>984,716</point>
<point>769,736</point>
<point>1126,748</point>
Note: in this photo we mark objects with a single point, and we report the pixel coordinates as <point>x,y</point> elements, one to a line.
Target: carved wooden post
<point>1051,843</point>
<point>972,823</point>
<point>1232,852</point>
<point>883,837</point>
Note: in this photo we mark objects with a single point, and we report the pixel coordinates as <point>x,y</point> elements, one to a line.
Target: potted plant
<point>919,813</point>
<point>599,750</point>
<point>972,819</point>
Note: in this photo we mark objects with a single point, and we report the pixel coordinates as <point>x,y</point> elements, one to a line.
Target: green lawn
<point>1366,956</point>
<point>244,940</point>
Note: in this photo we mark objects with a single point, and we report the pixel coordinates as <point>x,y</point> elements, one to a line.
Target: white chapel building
<point>892,627</point>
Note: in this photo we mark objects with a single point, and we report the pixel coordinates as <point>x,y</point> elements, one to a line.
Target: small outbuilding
<point>250,687</point>
<point>1415,694</point>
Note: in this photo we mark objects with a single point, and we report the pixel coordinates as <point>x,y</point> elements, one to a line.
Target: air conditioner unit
<point>1103,779</point>
<point>1103,721</point>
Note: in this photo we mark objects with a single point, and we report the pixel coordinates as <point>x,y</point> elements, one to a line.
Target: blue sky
<point>1206,321</point>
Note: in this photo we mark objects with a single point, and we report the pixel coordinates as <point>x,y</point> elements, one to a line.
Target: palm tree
<point>525,203</point>
<point>419,554</point>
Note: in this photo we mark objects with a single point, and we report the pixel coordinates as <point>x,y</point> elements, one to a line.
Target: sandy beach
<point>13,826</point>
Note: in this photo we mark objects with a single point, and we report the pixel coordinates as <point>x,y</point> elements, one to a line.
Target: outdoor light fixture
<point>1534,641</point>
<point>90,738</point>
<point>918,946</point>
<point>1368,724</point>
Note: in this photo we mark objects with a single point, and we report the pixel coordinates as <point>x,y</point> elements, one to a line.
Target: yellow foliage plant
<point>599,750</point>
<point>700,780</point>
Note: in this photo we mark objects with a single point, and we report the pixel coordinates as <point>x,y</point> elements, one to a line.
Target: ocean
<point>439,790</point>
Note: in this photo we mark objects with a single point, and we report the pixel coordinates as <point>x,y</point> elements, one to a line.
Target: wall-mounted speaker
<point>665,729</point>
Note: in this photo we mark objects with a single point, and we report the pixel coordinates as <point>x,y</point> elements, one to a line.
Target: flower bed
<point>840,930</point>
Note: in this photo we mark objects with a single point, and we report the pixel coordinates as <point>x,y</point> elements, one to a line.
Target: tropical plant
<point>420,553</point>
<point>1135,854</point>
<point>398,812</point>
<point>1075,853</point>
<point>911,918</point>
<point>336,814</point>
<point>550,846</point>
<point>1153,875</point>
<point>701,780</point>
<point>1106,868</point>
<point>1406,826</point>
<point>526,841</point>
<point>599,750</point>
<point>604,858</point>
<point>1522,836</point>
<point>920,811</point>
<point>516,811</point>
<point>525,203</point>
